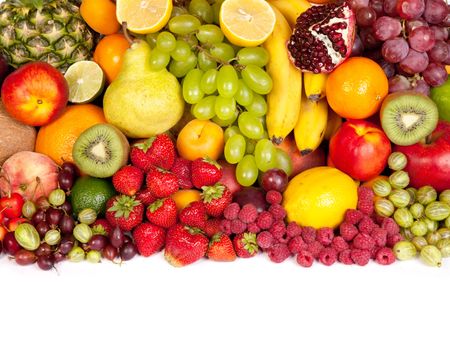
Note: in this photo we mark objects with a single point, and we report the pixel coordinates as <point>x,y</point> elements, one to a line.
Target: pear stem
<point>126,33</point>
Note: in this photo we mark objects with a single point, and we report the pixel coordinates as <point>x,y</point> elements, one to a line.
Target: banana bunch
<point>291,9</point>
<point>315,85</point>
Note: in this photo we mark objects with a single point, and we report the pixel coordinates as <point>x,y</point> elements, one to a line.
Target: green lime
<point>441,96</point>
<point>86,80</point>
<point>91,192</point>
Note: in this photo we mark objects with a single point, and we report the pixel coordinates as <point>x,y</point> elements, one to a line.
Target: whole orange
<point>356,88</point>
<point>109,54</point>
<point>183,198</point>
<point>57,138</point>
<point>100,15</point>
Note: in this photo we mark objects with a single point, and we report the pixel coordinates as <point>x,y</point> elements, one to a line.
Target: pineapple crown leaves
<point>249,242</point>
<point>145,146</point>
<point>211,193</point>
<point>123,206</point>
<point>211,161</point>
<point>156,205</point>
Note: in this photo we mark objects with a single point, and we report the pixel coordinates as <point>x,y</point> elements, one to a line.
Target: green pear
<point>141,102</point>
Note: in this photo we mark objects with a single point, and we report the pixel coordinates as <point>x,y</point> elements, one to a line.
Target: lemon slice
<point>86,80</point>
<point>246,22</point>
<point>144,16</point>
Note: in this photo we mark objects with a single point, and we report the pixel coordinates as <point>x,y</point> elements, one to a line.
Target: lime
<point>91,192</point>
<point>441,96</point>
<point>86,80</point>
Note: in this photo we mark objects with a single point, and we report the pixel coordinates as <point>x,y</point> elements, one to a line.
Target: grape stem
<point>238,67</point>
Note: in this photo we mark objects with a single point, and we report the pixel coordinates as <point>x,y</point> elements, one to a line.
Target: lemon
<point>246,22</point>
<point>86,80</point>
<point>319,197</point>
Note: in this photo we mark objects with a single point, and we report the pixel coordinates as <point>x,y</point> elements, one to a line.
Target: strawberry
<point>221,248</point>
<point>101,227</point>
<point>182,169</point>
<point>216,198</point>
<point>245,245</point>
<point>194,215</point>
<point>205,172</point>
<point>162,212</point>
<point>161,183</point>
<point>149,238</point>
<point>124,211</point>
<point>145,196</point>
<point>184,245</point>
<point>158,151</point>
<point>212,227</point>
<point>128,180</point>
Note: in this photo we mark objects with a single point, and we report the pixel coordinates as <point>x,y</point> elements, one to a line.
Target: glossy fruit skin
<point>356,142</point>
<point>274,179</point>
<point>11,206</point>
<point>100,15</point>
<point>109,54</point>
<point>429,164</point>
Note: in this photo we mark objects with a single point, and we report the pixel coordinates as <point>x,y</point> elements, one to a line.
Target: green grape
<point>192,93</point>
<point>258,107</point>
<point>181,52</point>
<point>251,144</point>
<point>257,79</point>
<point>158,59</point>
<point>265,156</point>
<point>166,42</point>
<point>247,171</point>
<point>205,108</point>
<point>225,107</point>
<point>208,84</point>
<point>224,122</point>
<point>210,34</point>
<point>253,55</point>
<point>222,51</point>
<point>283,161</point>
<point>250,126</point>
<point>202,9</point>
<point>205,62</point>
<point>227,81</point>
<point>231,131</point>
<point>181,68</point>
<point>216,11</point>
<point>244,95</point>
<point>235,149</point>
<point>151,39</point>
<point>184,24</point>
<point>178,11</point>
<point>189,39</point>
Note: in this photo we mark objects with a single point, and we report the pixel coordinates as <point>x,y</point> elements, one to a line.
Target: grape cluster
<point>408,38</point>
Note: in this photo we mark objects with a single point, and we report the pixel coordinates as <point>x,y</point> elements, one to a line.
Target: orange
<point>356,88</point>
<point>183,198</point>
<point>447,68</point>
<point>100,15</point>
<point>57,138</point>
<point>109,54</point>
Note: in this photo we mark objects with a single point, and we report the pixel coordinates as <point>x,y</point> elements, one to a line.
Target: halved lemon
<point>246,22</point>
<point>144,16</point>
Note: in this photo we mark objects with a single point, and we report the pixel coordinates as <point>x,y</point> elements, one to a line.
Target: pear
<point>142,102</point>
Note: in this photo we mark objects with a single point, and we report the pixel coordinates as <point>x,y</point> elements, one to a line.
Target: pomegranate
<point>323,37</point>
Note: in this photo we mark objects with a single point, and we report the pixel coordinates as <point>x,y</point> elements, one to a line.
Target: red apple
<point>35,94</point>
<point>429,162</point>
<point>360,149</point>
<point>229,176</point>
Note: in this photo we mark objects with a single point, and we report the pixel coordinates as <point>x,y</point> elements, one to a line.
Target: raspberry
<point>348,231</point>
<point>308,234</point>
<point>379,235</point>
<point>273,197</point>
<point>385,256</point>
<point>345,257</point>
<point>278,229</point>
<point>373,252</point>
<point>363,241</point>
<point>325,235</point>
<point>390,226</point>
<point>366,207</point>
<point>264,220</point>
<point>225,227</point>
<point>283,239</point>
<point>237,226</point>
<point>248,213</point>
<point>212,227</point>
<point>231,212</point>
<point>360,257</point>
<point>339,244</point>
<point>315,248</point>
<point>265,240</point>
<point>252,227</point>
<point>277,211</point>
<point>378,219</point>
<point>293,229</point>
<point>365,194</point>
<point>353,216</point>
<point>305,258</point>
<point>279,252</point>
<point>392,239</point>
<point>366,225</point>
<point>296,244</point>
<point>328,256</point>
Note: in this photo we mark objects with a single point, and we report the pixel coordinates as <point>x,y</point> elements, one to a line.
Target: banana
<point>315,85</point>
<point>283,102</point>
<point>311,125</point>
<point>333,124</point>
<point>291,9</point>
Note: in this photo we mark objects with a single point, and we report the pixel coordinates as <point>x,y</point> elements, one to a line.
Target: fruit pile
<point>306,130</point>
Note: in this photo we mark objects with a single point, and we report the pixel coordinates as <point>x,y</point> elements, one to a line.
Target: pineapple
<point>44,30</point>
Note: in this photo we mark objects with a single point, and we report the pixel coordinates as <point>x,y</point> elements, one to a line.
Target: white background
<point>246,304</point>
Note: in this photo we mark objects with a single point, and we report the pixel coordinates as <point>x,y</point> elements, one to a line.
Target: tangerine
<point>100,15</point>
<point>109,54</point>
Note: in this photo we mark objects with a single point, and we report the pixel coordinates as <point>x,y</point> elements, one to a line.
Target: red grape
<point>66,245</point>
<point>358,47</point>
<point>365,16</point>
<point>386,28</point>
<point>410,9</point>
<point>421,39</point>
<point>10,244</point>
<point>25,257</point>
<point>377,5</point>
<point>440,33</point>
<point>421,86</point>
<point>395,50</point>
<point>388,68</point>
<point>128,251</point>
<point>98,242</point>
<point>110,252</point>
<point>274,179</point>
<point>253,196</point>
<point>43,249</point>
<point>66,207</point>
<point>117,238</point>
<point>415,62</point>
<point>390,7</point>
<point>357,4</point>
<point>368,39</point>
<point>42,228</point>
<point>53,216</point>
<point>38,216</point>
<point>66,224</point>
<point>42,203</point>
<point>399,83</point>
<point>65,180</point>
<point>415,23</point>
<point>70,167</point>
<point>435,74</point>
<point>45,262</point>
<point>58,256</point>
<point>435,11</point>
<point>446,21</point>
<point>439,52</point>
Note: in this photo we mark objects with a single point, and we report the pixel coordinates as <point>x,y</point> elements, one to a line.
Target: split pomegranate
<point>323,37</point>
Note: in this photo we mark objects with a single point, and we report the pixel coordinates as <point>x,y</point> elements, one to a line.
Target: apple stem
<point>126,33</point>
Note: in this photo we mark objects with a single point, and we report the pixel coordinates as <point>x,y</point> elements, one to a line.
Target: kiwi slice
<point>407,117</point>
<point>101,150</point>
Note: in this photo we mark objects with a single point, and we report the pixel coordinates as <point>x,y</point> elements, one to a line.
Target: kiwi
<point>407,117</point>
<point>101,150</point>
